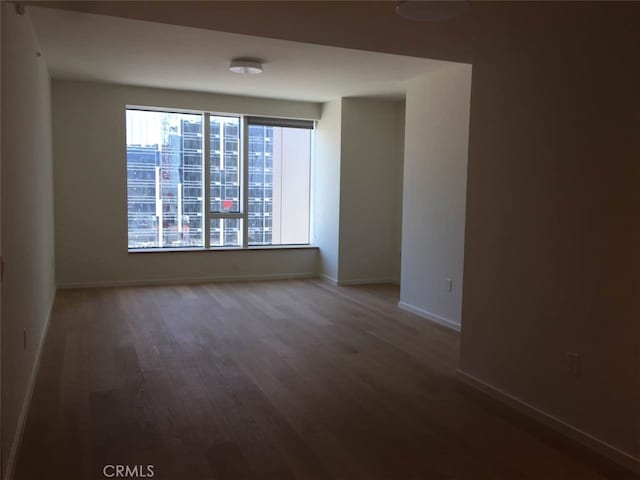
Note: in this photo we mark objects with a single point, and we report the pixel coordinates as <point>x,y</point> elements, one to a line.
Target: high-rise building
<point>142,163</point>
<point>225,180</point>
<point>165,188</point>
<point>260,213</point>
<point>167,182</point>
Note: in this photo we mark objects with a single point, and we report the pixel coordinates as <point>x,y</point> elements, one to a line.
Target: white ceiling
<point>109,49</point>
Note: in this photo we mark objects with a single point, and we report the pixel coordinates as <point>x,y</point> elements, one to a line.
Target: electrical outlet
<point>573,364</point>
<point>449,285</point>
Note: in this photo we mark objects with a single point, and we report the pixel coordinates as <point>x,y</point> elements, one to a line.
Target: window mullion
<point>207,181</point>
<point>214,215</point>
<point>245,180</point>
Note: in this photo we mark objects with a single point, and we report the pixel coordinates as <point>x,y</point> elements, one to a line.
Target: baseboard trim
<point>600,447</point>
<point>329,279</point>
<point>365,281</point>
<point>24,411</point>
<point>183,281</point>
<point>432,317</point>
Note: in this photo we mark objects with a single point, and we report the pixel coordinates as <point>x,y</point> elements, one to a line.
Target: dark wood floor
<point>271,380</point>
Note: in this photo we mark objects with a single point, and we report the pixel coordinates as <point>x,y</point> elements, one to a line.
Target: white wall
<point>370,168</point>
<point>325,210</point>
<point>90,191</point>
<point>28,285</point>
<point>435,173</point>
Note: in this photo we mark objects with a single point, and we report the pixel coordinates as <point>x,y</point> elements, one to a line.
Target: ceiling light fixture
<point>246,66</point>
<point>431,10</point>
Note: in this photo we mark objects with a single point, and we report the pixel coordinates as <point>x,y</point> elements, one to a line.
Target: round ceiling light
<point>246,66</point>
<point>431,10</point>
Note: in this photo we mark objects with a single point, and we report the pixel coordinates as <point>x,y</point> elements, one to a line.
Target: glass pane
<point>164,179</point>
<point>225,162</point>
<point>278,189</point>
<point>226,232</point>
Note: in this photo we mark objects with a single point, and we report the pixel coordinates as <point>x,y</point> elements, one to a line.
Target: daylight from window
<point>225,182</point>
<point>164,179</point>
<point>265,204</point>
<point>279,166</point>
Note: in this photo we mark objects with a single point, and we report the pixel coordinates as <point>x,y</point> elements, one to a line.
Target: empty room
<point>320,240</point>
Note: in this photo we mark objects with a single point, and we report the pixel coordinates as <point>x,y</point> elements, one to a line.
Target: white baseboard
<point>183,281</point>
<point>365,281</point>
<point>601,447</point>
<point>445,322</point>
<point>24,410</point>
<point>328,278</point>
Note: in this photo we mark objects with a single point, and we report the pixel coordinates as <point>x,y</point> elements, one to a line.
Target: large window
<point>201,180</point>
<point>278,188</point>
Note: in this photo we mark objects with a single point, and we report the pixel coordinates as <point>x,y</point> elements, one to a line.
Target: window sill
<point>222,249</point>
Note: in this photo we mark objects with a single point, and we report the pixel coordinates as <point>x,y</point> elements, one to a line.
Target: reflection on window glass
<point>164,179</point>
<point>278,187</point>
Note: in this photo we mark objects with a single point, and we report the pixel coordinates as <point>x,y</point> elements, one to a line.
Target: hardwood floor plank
<point>297,379</point>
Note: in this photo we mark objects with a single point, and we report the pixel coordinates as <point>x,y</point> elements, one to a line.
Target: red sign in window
<point>227,204</point>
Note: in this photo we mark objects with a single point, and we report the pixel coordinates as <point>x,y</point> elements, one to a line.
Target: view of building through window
<point>166,162</point>
<point>164,179</point>
<point>225,181</point>
<point>279,169</point>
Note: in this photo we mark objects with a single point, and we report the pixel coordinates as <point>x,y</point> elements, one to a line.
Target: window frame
<point>243,173</point>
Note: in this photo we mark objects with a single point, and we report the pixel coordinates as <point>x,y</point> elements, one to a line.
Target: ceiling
<point>84,46</point>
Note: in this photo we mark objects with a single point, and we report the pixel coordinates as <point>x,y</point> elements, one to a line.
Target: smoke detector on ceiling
<point>431,10</point>
<point>246,66</point>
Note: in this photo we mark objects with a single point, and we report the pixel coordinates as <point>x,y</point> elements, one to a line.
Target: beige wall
<point>551,242</point>
<point>434,193</point>
<point>399,187</point>
<point>90,191</point>
<point>1,442</point>
<point>325,201</point>
<point>27,217</point>
<point>551,237</point>
<point>356,182</point>
<point>370,166</point>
